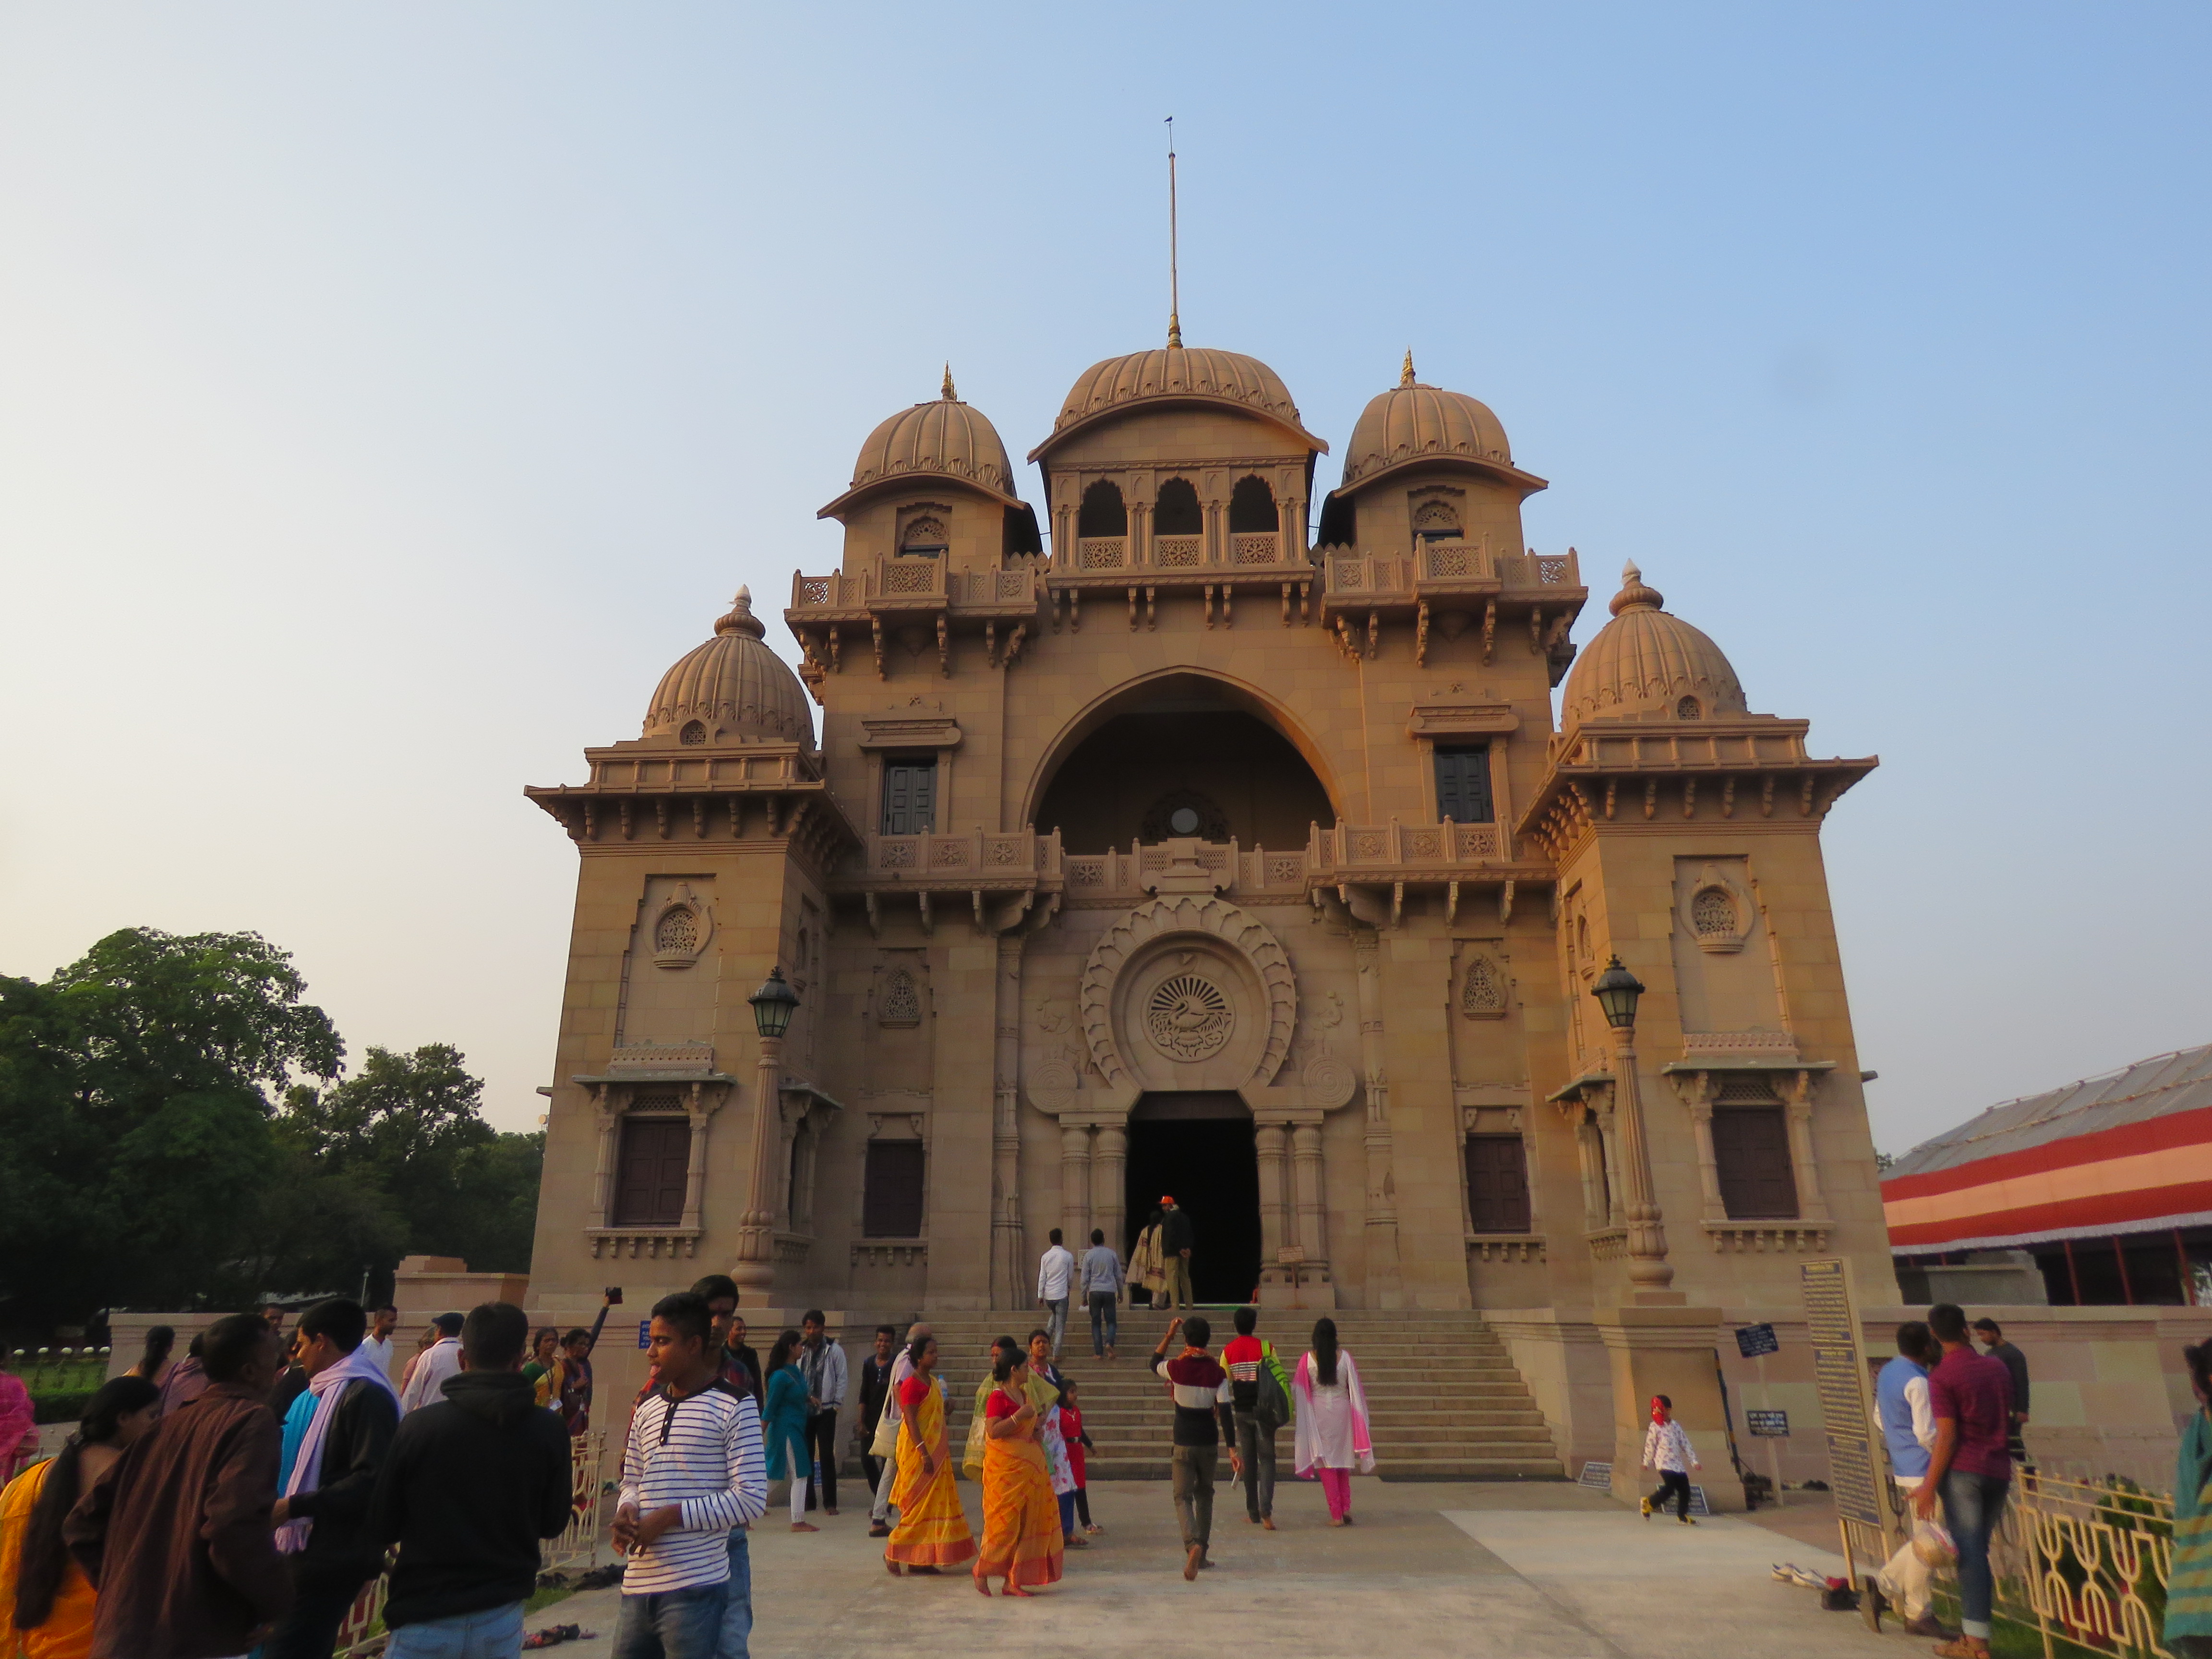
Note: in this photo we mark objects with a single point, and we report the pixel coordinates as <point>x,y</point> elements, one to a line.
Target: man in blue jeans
<point>1971,1395</point>
<point>693,1471</point>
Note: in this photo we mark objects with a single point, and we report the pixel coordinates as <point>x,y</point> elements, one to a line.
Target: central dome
<point>1645,663</point>
<point>1182,375</point>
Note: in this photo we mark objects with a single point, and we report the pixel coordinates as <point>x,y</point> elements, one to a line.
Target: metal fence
<point>53,1371</point>
<point>2086,1564</point>
<point>363,1634</point>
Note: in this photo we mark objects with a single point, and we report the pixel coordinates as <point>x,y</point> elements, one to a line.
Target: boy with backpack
<point>1260,1401</point>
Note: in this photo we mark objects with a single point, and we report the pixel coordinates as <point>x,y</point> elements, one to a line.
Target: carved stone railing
<point>907,584</point>
<point>890,1252</point>
<point>1503,1247</point>
<point>1777,1237</point>
<point>1121,876</point>
<point>1607,1243</point>
<point>1178,552</point>
<point>977,858</point>
<point>1253,548</point>
<point>1353,848</point>
<point>652,1243</point>
<point>1102,552</point>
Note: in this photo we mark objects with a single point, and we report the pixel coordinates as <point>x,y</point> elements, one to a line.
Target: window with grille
<point>1750,1145</point>
<point>651,1171</point>
<point>1463,783</point>
<point>890,1202</point>
<point>1498,1183</point>
<point>909,797</point>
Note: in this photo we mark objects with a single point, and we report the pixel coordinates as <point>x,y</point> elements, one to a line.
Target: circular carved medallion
<point>1187,1017</point>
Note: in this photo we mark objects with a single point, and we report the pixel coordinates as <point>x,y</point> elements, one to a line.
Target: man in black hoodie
<point>470,1485</point>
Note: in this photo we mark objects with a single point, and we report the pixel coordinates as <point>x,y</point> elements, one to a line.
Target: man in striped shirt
<point>692,1471</point>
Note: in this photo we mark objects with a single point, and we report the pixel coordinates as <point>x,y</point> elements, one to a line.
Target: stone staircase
<point>1443,1398</point>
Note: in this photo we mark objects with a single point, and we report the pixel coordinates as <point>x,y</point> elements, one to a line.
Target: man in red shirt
<point>1244,1359</point>
<point>1199,1388</point>
<point>1970,1395</point>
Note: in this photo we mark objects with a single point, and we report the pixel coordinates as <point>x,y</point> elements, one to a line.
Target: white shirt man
<point>378,1343</point>
<point>426,1384</point>
<point>1055,1273</point>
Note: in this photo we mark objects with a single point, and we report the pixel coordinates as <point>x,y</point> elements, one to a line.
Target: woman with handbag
<point>1331,1438</point>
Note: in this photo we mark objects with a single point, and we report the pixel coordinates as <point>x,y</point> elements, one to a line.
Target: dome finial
<point>1633,593</point>
<point>948,393</point>
<point>1405,374</point>
<point>741,619</point>
<point>1175,332</point>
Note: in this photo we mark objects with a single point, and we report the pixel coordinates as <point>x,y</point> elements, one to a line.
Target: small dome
<point>732,690</point>
<point>1645,663</point>
<point>1193,374</point>
<point>943,438</point>
<point>1413,423</point>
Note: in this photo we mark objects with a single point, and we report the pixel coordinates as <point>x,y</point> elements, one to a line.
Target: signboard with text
<point>1767,1425</point>
<point>1753,1341</point>
<point>1855,1477</point>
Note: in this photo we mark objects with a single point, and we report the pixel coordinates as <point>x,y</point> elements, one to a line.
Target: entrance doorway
<point>1199,1148</point>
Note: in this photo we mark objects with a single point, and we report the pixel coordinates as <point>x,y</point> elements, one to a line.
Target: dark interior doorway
<point>1210,1164</point>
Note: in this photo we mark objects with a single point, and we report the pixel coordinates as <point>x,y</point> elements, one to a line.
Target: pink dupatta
<point>1331,1444</point>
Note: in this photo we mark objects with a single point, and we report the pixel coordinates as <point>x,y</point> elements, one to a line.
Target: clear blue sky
<point>388,394</point>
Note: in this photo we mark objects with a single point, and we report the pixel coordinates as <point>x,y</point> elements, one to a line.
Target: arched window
<point>924,537</point>
<point>1435,521</point>
<point>1252,508</point>
<point>1176,513</point>
<point>1713,913</point>
<point>1104,513</point>
<point>1687,709</point>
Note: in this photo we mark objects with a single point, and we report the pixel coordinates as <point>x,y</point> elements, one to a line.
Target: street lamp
<point>773,1002</point>
<point>773,1005</point>
<point>1617,991</point>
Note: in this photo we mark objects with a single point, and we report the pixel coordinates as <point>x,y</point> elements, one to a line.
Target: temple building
<point>1201,856</point>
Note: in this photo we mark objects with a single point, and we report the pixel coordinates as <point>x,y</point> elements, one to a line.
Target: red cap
<point>1167,1198</point>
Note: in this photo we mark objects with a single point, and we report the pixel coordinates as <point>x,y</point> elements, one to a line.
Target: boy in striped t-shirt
<point>692,1471</point>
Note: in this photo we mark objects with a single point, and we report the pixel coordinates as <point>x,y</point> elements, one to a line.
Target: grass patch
<point>542,1599</point>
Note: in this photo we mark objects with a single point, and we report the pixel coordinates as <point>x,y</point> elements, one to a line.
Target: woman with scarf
<point>45,1602</point>
<point>1148,1266</point>
<point>783,1425</point>
<point>544,1357</point>
<point>1022,1543</point>
<point>932,1528</point>
<point>1047,1389</point>
<point>2189,1585</point>
<point>19,1427</point>
<point>1330,1423</point>
<point>335,1435</point>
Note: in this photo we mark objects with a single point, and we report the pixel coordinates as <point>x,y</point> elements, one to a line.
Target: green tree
<point>135,1100</point>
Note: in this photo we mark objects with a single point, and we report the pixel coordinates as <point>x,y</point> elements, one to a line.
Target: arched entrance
<point>1198,1148</point>
<point>1181,755</point>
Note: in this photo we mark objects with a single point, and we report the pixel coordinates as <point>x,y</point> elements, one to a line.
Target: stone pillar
<point>755,1268</point>
<point>1383,1287</point>
<point>1009,1251</point>
<point>1269,1139</point>
<point>1697,1090</point>
<point>1648,1270</point>
<point>695,1172</point>
<point>1075,1185</point>
<point>1108,1163</point>
<point>1812,1205</point>
<point>603,1103</point>
<point>1609,1146</point>
<point>1313,1208</point>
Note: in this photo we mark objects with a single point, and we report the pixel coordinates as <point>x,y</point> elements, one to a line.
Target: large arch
<point>1181,689</point>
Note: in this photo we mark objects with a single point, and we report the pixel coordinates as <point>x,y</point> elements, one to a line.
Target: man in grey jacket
<point>822,1363</point>
<point>1104,1279</point>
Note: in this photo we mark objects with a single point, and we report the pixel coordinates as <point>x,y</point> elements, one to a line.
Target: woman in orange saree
<point>1022,1540</point>
<point>932,1528</point>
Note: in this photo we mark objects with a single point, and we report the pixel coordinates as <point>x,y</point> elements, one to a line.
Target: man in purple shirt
<point>1970,1395</point>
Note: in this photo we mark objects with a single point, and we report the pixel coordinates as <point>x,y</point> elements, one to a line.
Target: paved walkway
<point>1539,1568</point>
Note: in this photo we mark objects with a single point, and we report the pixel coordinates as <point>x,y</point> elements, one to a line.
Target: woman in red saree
<point>932,1528</point>
<point>1022,1541</point>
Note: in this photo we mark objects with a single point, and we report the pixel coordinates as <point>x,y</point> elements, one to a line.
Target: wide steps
<point>1445,1399</point>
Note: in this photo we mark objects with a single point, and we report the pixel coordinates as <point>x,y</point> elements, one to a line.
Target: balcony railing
<point>901,583</point>
<point>1351,848</point>
<point>963,861</point>
<point>1125,875</point>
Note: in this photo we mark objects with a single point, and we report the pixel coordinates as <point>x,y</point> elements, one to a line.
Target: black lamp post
<point>1617,991</point>
<point>773,1005</point>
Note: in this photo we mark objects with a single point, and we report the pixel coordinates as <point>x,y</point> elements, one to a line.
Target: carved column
<point>695,1171</point>
<point>1697,1090</point>
<point>1382,1280</point>
<point>1648,1270</point>
<point>1812,1205</point>
<point>1313,1213</point>
<point>1075,1185</point>
<point>1108,1165</point>
<point>604,1104</point>
<point>1269,1139</point>
<point>1609,1150</point>
<point>755,1268</point>
<point>1009,1253</point>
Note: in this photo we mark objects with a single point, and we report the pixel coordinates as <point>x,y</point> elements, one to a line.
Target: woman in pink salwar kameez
<point>1331,1424</point>
<point>19,1428</point>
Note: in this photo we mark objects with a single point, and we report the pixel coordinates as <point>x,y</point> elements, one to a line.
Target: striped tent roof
<point>2129,1151</point>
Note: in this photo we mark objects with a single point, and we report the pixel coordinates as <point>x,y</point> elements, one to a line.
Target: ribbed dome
<point>1411,422</point>
<point>1644,662</point>
<point>735,687</point>
<point>943,438</point>
<point>1182,373</point>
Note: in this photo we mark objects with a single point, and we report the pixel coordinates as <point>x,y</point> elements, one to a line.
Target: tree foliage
<point>173,1132</point>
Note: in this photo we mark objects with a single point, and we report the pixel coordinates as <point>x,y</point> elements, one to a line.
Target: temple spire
<point>949,394</point>
<point>1175,290</point>
<point>1405,374</point>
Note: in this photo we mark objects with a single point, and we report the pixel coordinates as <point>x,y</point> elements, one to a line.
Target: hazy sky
<point>388,394</point>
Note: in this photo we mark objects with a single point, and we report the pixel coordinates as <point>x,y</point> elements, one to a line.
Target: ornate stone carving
<point>1329,1081</point>
<point>1483,993</point>
<point>680,928</point>
<point>902,1000</point>
<point>1717,913</point>
<point>1237,929</point>
<point>1187,1017</point>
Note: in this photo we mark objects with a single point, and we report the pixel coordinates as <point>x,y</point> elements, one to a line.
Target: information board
<point>1753,1340</point>
<point>644,1334</point>
<point>1597,1475</point>
<point>1768,1424</point>
<point>1855,1467</point>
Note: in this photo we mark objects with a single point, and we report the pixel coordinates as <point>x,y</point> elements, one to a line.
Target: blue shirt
<point>1907,1456</point>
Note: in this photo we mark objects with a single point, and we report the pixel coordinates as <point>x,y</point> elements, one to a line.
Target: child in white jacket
<point>1667,1449</point>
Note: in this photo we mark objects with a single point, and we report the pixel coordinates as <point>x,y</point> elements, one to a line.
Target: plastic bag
<point>1932,1544</point>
